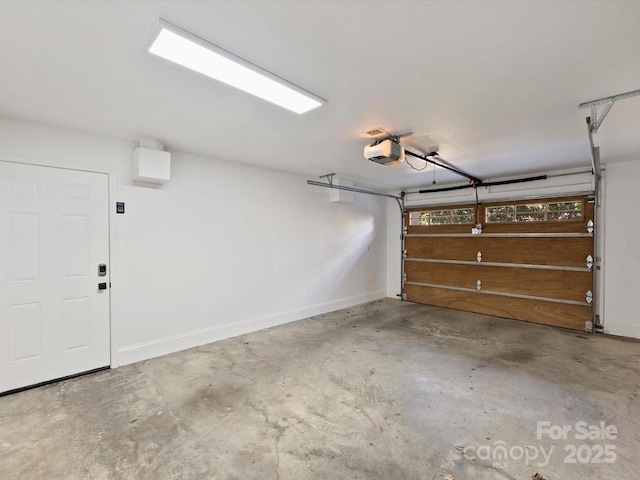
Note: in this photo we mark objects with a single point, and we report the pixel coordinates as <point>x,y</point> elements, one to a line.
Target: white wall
<point>622,250</point>
<point>222,249</point>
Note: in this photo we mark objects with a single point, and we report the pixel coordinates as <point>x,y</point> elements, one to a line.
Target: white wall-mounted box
<point>342,196</point>
<point>151,166</point>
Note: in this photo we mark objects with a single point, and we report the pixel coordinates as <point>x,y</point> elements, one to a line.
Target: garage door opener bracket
<point>608,103</point>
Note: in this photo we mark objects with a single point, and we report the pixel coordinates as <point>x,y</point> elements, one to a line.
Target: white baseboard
<point>164,346</point>
<point>622,330</point>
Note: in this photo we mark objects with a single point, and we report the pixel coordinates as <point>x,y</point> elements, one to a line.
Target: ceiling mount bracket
<point>329,177</point>
<point>608,103</point>
<point>396,138</point>
<point>376,132</point>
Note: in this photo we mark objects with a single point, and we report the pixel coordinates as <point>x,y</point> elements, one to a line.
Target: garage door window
<point>455,216</point>
<point>535,212</point>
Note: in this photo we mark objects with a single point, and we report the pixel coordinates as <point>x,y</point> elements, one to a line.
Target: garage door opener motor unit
<point>386,152</point>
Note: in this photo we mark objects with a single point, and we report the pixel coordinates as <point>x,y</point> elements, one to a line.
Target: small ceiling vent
<point>376,132</point>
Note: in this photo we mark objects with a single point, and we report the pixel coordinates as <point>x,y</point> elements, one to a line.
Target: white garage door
<point>54,234</point>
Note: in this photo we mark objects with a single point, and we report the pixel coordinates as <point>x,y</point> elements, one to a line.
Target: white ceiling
<point>495,86</point>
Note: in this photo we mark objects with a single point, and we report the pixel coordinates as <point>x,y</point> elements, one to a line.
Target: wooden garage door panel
<point>561,251</point>
<point>512,227</point>
<point>548,313</point>
<point>559,284</point>
<point>454,248</point>
<point>546,247</point>
<point>439,229</point>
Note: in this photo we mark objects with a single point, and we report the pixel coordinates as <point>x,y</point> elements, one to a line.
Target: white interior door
<point>54,232</point>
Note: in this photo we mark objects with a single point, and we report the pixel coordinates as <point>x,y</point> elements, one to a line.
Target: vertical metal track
<point>596,237</point>
<point>597,174</point>
<point>403,236</point>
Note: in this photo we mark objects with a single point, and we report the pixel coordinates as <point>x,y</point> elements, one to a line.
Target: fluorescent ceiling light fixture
<point>184,48</point>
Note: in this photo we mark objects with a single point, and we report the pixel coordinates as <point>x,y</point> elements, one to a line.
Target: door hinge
<point>589,262</point>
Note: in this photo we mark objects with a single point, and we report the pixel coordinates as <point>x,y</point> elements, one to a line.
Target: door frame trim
<point>111,173</point>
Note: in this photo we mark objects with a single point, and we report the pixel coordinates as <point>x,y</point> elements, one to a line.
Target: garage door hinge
<point>589,262</point>
<point>590,226</point>
<point>589,296</point>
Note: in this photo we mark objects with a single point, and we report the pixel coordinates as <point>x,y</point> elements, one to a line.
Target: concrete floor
<point>385,390</point>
